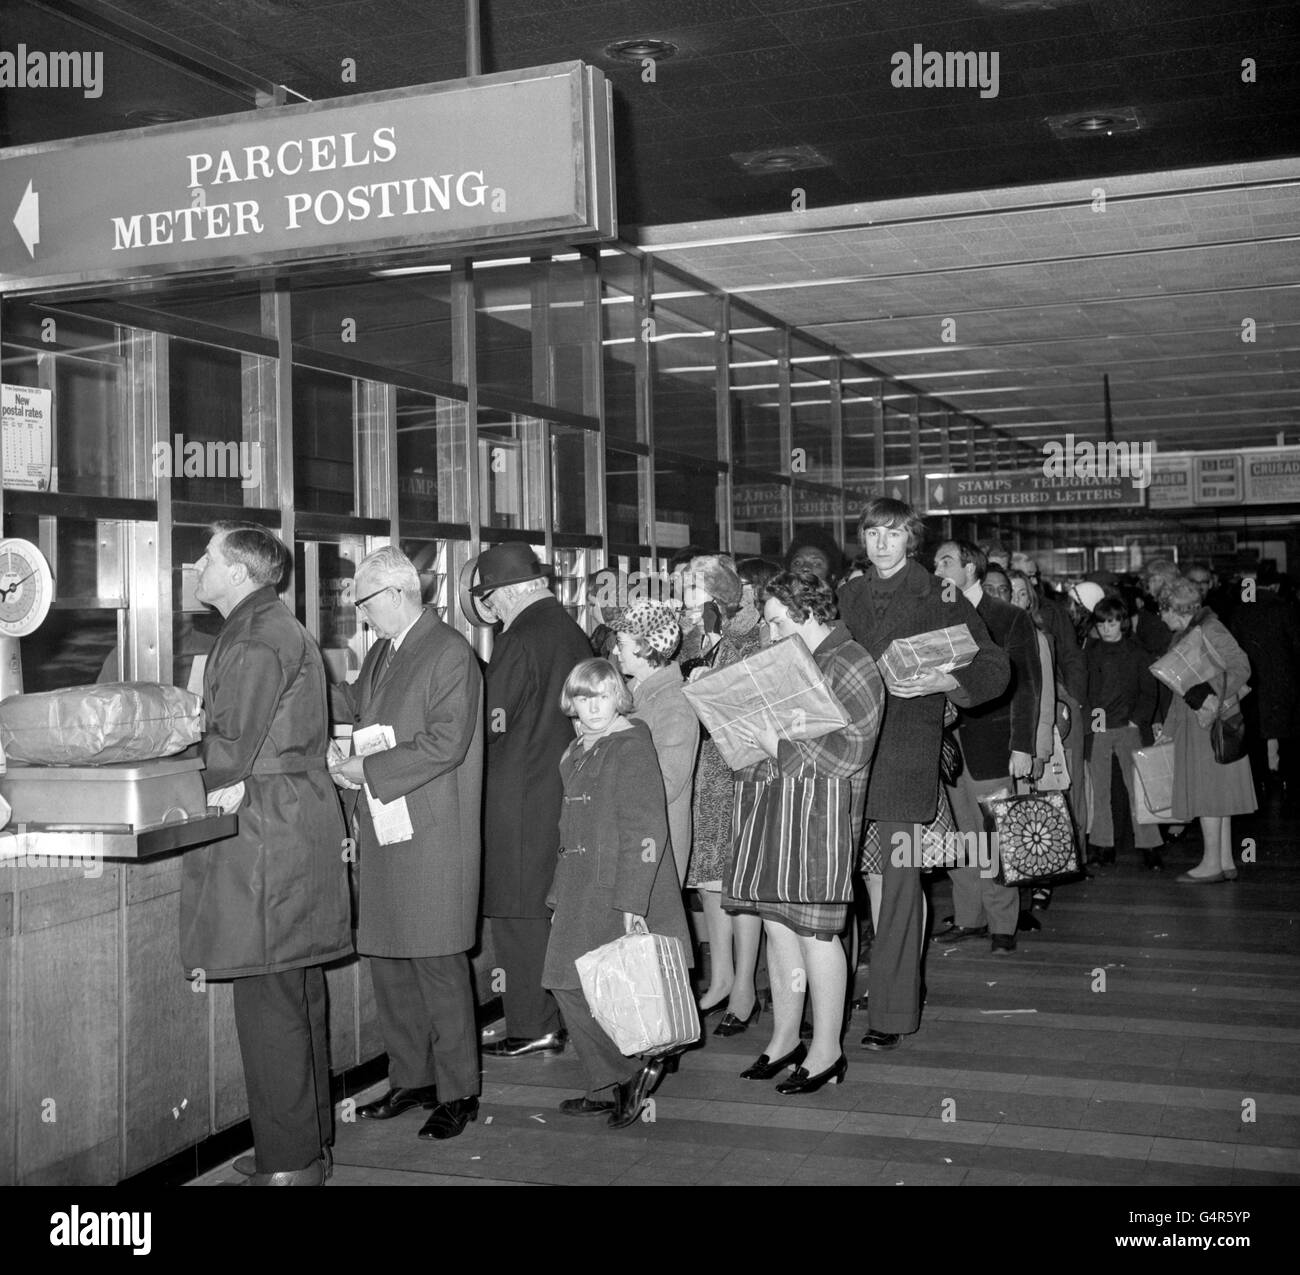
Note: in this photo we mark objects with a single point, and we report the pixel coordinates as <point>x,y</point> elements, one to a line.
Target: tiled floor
<point>1183,1070</point>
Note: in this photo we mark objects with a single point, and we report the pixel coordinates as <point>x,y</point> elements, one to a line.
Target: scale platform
<point>126,811</point>
<point>113,841</point>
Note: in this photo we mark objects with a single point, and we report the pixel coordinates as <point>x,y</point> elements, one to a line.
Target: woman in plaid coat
<point>803,937</point>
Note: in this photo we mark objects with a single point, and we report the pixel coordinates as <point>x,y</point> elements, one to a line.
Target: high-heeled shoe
<point>717,1007</point>
<point>764,1068</point>
<point>801,1082</point>
<point>1230,874</point>
<point>733,1026</point>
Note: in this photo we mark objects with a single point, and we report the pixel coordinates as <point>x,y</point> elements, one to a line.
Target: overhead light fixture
<point>401,270</point>
<point>143,115</point>
<point>640,48</point>
<point>1091,123</point>
<point>1023,6</point>
<point>780,159</point>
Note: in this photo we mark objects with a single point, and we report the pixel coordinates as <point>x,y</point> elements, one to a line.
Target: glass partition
<point>431,458</point>
<point>620,341</point>
<point>684,371</point>
<point>82,364</point>
<point>324,442</point>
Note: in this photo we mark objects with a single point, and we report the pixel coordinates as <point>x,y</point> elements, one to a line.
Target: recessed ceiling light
<point>155,115</point>
<point>639,49</point>
<point>1024,6</point>
<point>780,159</point>
<point>1089,123</point>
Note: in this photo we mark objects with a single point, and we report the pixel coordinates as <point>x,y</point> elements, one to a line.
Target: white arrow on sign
<point>28,220</point>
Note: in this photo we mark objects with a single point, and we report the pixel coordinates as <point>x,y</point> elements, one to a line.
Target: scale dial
<point>26,588</point>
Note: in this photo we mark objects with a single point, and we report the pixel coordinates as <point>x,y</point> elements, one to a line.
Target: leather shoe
<point>585,1106</point>
<point>519,1046</point>
<point>630,1096</point>
<point>960,933</point>
<point>395,1101</point>
<point>732,1025</point>
<point>881,1040</point>
<point>312,1175</point>
<point>1003,943</point>
<point>764,1068</point>
<point>449,1119</point>
<point>799,1081</point>
<point>247,1164</point>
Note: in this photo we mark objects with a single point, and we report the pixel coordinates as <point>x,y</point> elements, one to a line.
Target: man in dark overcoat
<point>997,740</point>
<point>268,907</point>
<point>899,598</point>
<point>526,735</point>
<point>417,898</point>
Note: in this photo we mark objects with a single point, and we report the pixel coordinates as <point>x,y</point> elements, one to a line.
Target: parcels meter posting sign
<point>525,155</point>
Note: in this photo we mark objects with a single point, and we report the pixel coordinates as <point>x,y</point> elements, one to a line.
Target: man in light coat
<point>417,898</point>
<point>268,907</point>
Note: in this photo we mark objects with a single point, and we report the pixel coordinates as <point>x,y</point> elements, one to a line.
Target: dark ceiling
<point>751,75</point>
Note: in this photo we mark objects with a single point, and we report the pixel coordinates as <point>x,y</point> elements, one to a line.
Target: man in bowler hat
<point>526,733</point>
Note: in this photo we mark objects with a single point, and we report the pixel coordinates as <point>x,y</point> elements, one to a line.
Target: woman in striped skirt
<point>803,937</point>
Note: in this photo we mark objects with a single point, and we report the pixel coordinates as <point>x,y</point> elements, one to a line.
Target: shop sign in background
<point>1216,478</point>
<point>1026,489</point>
<point>1171,482</point>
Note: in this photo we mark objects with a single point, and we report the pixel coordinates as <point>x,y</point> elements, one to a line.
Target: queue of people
<point>567,795</point>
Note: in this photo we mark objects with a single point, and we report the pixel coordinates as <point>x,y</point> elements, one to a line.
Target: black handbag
<point>1035,833</point>
<point>1228,732</point>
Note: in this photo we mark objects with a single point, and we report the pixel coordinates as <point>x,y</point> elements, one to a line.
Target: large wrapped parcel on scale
<point>102,757</point>
<point>111,722</point>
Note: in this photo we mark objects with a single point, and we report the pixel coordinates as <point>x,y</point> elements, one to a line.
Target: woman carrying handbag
<point>798,819</point>
<point>1204,787</point>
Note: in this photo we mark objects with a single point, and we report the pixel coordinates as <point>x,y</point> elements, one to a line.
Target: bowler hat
<point>510,563</point>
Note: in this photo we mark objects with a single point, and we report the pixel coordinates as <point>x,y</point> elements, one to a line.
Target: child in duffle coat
<point>614,868</point>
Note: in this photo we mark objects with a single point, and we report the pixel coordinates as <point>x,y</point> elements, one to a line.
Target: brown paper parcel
<point>1187,663</point>
<point>941,649</point>
<point>780,686</point>
<point>110,722</point>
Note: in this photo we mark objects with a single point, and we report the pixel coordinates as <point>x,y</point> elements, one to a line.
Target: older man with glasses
<point>417,896</point>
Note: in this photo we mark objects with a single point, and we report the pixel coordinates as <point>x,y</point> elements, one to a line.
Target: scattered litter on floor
<point>946,1160</point>
<point>994,983</point>
<point>488,1120</point>
<point>1008,1011</point>
<point>538,1119</point>
<point>1160,936</point>
<point>476,1157</point>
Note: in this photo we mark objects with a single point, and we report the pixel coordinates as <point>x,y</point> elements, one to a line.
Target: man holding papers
<point>417,715</point>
